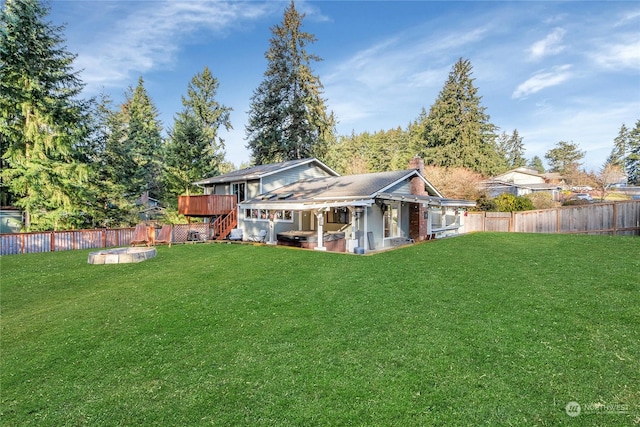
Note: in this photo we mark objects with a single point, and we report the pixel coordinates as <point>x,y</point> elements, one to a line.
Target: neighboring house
<point>150,208</point>
<point>520,182</point>
<point>305,203</point>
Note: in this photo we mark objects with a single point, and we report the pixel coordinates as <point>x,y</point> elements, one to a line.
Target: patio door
<point>239,190</point>
<point>391,220</point>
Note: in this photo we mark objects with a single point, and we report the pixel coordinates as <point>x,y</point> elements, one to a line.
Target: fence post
<point>557,220</point>
<point>52,243</point>
<point>615,219</point>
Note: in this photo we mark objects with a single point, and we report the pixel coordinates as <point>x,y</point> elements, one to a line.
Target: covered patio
<point>375,223</point>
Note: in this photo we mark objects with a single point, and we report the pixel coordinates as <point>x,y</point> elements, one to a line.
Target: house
<point>520,182</point>
<point>307,204</point>
<point>150,208</point>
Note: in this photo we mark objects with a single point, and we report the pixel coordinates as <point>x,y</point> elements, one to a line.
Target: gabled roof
<point>261,171</point>
<point>352,190</point>
<point>521,170</point>
<point>534,187</point>
<point>350,186</point>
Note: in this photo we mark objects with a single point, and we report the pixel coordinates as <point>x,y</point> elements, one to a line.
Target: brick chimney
<point>417,185</point>
<point>417,213</point>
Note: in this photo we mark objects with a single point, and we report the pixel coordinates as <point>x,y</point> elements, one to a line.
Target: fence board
<point>53,241</point>
<point>620,218</point>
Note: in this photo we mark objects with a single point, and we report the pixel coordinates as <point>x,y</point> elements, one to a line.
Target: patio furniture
<point>143,235</point>
<point>260,237</point>
<point>236,234</point>
<point>164,236</point>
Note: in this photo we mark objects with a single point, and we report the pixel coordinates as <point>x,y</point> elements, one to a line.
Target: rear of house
<point>305,203</point>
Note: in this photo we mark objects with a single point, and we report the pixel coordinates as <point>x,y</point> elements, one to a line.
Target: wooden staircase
<point>223,224</point>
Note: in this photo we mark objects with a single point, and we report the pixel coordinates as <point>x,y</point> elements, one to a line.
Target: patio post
<point>320,217</point>
<point>271,241</point>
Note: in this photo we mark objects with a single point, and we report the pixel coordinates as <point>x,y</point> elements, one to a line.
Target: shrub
<point>542,200</point>
<point>509,203</point>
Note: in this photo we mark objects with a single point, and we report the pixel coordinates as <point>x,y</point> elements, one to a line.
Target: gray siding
<point>222,189</point>
<point>252,189</point>
<point>400,188</point>
<point>280,179</point>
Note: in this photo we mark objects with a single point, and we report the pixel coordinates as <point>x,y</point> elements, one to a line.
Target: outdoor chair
<point>143,235</point>
<point>236,234</point>
<point>260,237</point>
<point>165,235</point>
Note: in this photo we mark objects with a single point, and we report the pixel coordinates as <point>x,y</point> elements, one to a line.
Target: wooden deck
<point>206,205</point>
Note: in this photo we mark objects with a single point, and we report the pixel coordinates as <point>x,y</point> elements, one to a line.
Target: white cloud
<point>550,45</point>
<point>622,55</point>
<point>149,36</point>
<point>542,80</point>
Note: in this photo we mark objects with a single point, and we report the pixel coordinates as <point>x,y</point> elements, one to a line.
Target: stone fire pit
<point>121,255</point>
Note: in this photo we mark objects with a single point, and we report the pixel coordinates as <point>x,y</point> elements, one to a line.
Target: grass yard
<point>483,329</point>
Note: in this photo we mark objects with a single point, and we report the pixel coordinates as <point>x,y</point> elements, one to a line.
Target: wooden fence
<point>54,241</point>
<point>617,218</point>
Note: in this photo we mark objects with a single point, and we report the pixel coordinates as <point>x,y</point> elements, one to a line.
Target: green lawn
<point>483,329</point>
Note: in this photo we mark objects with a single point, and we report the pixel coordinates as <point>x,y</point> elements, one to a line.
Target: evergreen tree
<point>457,131</point>
<point>210,115</point>
<point>536,163</point>
<point>287,117</point>
<point>620,146</point>
<point>111,161</point>
<point>564,158</point>
<point>194,150</point>
<point>41,119</point>
<point>185,156</point>
<point>512,149</point>
<point>632,162</point>
<point>144,140</point>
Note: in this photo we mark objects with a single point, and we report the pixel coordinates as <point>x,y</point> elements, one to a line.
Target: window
<point>338,215</point>
<point>239,190</point>
<point>263,215</point>
<point>391,219</point>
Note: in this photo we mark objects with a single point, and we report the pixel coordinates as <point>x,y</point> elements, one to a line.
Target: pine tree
<point>145,141</point>
<point>632,162</point>
<point>620,146</point>
<point>512,149</point>
<point>41,118</point>
<point>185,155</point>
<point>564,158</point>
<point>457,131</point>
<point>111,161</point>
<point>194,150</point>
<point>536,163</point>
<point>287,117</point>
<point>210,115</point>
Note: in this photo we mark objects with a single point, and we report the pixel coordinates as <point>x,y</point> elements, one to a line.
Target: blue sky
<point>555,71</point>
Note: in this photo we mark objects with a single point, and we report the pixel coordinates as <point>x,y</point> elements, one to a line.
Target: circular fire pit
<point>121,255</point>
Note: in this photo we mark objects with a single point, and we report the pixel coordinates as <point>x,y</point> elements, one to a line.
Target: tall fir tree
<point>632,162</point>
<point>620,147</point>
<point>41,119</point>
<point>536,164</point>
<point>288,117</point>
<point>512,149</point>
<point>211,115</point>
<point>194,149</point>
<point>457,131</point>
<point>111,161</point>
<point>564,158</point>
<point>145,141</point>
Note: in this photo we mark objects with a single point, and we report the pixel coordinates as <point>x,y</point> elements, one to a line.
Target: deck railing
<point>207,205</point>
